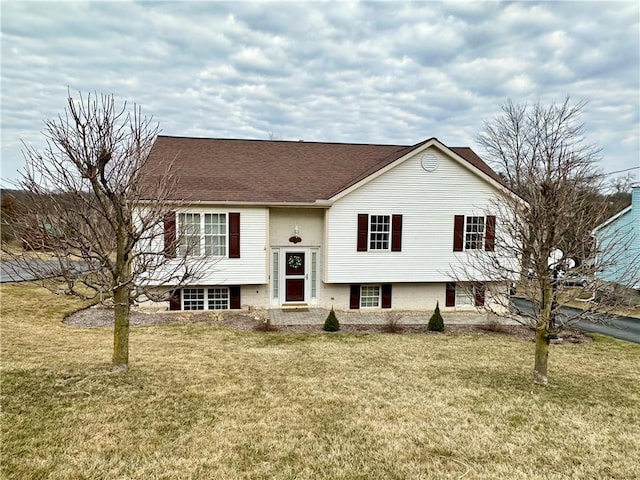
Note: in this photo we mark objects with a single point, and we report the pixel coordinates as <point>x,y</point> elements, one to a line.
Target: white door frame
<point>280,298</point>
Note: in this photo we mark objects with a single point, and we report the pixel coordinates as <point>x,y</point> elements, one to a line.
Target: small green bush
<point>436,324</point>
<point>331,324</point>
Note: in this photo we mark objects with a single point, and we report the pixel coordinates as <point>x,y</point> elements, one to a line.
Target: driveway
<point>624,328</point>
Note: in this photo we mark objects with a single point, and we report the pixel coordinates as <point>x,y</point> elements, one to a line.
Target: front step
<point>295,307</point>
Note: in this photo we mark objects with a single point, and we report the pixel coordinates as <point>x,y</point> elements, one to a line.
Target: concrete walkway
<point>317,316</point>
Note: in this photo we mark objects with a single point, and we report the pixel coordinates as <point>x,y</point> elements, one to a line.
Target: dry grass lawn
<point>204,401</point>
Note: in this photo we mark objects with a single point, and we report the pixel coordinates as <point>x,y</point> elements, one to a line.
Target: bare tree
<point>86,205</point>
<point>542,155</point>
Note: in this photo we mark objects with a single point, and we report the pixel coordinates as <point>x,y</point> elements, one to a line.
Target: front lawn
<point>205,401</point>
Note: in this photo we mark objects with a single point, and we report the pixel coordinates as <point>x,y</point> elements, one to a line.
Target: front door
<point>294,276</point>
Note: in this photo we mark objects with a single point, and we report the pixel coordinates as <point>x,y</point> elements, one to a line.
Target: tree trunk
<point>542,334</point>
<point>121,329</point>
<point>542,355</point>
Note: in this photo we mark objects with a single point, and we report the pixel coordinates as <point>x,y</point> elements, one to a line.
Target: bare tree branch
<point>542,154</point>
<point>85,206</point>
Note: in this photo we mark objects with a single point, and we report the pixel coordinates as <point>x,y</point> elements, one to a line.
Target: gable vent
<point>429,162</point>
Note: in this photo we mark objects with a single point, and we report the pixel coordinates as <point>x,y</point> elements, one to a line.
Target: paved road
<point>10,271</point>
<point>624,328</point>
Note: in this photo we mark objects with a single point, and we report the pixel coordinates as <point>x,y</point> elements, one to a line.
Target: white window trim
<point>465,291</point>
<point>202,234</point>
<point>480,242</point>
<point>371,233</point>
<point>362,296</point>
<point>205,298</point>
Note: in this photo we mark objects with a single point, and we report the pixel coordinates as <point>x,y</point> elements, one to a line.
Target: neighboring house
<point>618,242</point>
<point>350,226</point>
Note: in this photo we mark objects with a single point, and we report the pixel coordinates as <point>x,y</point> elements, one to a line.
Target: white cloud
<point>354,72</point>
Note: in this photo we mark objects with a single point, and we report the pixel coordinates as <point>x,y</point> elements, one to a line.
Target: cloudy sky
<point>365,72</point>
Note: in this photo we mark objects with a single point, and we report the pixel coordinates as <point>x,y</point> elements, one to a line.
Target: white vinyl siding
<point>428,202</point>
<point>249,269</point>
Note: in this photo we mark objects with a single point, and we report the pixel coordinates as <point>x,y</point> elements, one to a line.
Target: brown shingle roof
<point>273,171</point>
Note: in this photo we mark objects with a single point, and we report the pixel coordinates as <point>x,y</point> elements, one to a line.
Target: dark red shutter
<point>450,300</point>
<point>234,297</point>
<point>170,235</point>
<point>174,300</point>
<point>234,235</point>
<point>479,294</point>
<point>386,296</point>
<point>458,233</point>
<point>490,234</point>
<point>396,233</point>
<point>354,297</point>
<point>363,231</point>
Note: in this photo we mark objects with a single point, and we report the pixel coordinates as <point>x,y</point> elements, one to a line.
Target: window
<point>379,232</point>
<point>464,294</point>
<point>369,296</point>
<point>474,233</point>
<point>218,299</point>
<point>276,273</point>
<point>189,234</point>
<point>460,294</point>
<point>193,299</point>
<point>202,234</point>
<point>215,234</point>
<point>314,274</point>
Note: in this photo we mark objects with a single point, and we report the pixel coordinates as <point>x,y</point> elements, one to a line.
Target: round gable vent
<point>429,162</point>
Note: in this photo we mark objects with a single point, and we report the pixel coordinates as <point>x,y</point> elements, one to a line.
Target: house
<point>618,241</point>
<point>350,226</point>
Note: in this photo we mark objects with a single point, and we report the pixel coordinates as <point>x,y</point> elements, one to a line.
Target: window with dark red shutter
<point>458,233</point>
<point>363,232</point>
<point>386,296</point>
<point>174,300</point>
<point>479,294</point>
<point>396,233</point>
<point>450,300</point>
<point>170,235</point>
<point>234,297</point>
<point>234,235</point>
<point>490,233</point>
<point>354,297</point>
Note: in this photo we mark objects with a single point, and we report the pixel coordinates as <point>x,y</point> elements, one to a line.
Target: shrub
<point>494,325</point>
<point>436,324</point>
<point>392,323</point>
<point>331,324</point>
<point>264,324</point>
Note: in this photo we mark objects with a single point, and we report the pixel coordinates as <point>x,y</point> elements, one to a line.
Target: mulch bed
<point>103,317</point>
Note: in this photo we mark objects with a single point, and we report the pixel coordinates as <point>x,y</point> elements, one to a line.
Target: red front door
<point>294,276</point>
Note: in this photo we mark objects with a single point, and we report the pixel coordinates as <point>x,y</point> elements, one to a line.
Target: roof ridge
<point>284,141</point>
